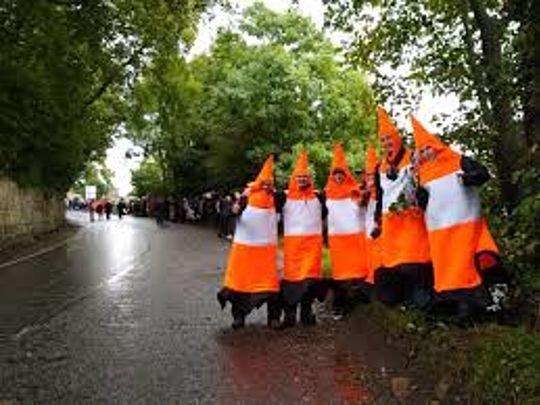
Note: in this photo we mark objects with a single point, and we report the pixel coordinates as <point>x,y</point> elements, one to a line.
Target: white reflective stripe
<point>370,217</point>
<point>302,217</point>
<point>345,217</point>
<point>256,227</point>
<point>393,189</point>
<point>450,203</point>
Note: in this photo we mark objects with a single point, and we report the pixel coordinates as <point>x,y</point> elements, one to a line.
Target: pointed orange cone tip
<point>339,160</point>
<point>302,165</point>
<point>422,137</point>
<point>266,173</point>
<point>387,127</point>
<point>371,159</point>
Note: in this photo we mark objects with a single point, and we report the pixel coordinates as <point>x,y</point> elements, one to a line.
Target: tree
<point>163,114</point>
<point>148,179</point>
<point>486,52</point>
<point>268,86</point>
<point>65,66</point>
<point>272,85</point>
<point>95,174</point>
<point>482,50</point>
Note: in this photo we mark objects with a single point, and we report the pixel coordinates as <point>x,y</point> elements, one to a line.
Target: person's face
<point>389,147</point>
<point>267,186</point>
<point>370,181</point>
<point>339,177</point>
<point>427,154</point>
<point>303,181</point>
<point>415,161</point>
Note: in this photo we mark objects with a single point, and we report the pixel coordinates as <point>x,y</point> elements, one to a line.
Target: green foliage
<point>506,367</point>
<point>517,232</point>
<point>148,179</point>
<point>486,363</point>
<point>481,51</point>
<point>269,87</point>
<point>164,118</point>
<point>95,174</point>
<point>64,67</point>
<point>486,53</point>
<point>326,263</point>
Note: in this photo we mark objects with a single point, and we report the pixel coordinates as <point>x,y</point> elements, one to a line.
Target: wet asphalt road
<point>126,313</point>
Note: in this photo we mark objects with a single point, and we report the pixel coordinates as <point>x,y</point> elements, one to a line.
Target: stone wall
<point>25,212</point>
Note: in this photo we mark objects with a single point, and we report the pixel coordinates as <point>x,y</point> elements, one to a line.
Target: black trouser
<point>222,225</point>
<point>342,300</point>
<point>273,308</point>
<point>230,225</point>
<point>407,283</point>
<point>305,307</point>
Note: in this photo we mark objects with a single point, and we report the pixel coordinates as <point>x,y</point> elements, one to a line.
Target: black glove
<point>375,233</point>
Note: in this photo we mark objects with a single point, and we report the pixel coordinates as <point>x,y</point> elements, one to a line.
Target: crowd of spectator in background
<point>211,208</point>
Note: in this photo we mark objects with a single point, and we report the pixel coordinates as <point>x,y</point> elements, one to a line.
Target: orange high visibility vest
<point>302,240</point>
<point>252,264</point>
<point>404,237</point>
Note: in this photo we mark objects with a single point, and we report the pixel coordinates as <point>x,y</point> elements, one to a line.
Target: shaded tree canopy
<point>95,174</point>
<point>271,86</point>
<point>483,51</point>
<point>64,68</point>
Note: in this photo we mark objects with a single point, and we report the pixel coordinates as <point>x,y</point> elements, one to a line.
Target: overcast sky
<point>208,28</point>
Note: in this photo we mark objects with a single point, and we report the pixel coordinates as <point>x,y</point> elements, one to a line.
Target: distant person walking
<point>121,207</point>
<point>108,209</point>
<point>91,210</point>
<point>162,211</point>
<point>99,210</point>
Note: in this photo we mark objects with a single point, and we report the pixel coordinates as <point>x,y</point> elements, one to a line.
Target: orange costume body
<point>406,262</point>
<point>346,223</point>
<point>458,234</point>
<point>303,240</point>
<point>251,276</point>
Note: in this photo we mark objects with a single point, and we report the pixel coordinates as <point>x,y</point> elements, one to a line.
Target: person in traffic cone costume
<point>373,215</point>
<point>346,233</point>
<point>406,274</point>
<point>462,248</point>
<point>303,241</point>
<point>251,276</point>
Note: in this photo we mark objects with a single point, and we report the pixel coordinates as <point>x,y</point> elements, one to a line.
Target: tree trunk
<point>509,145</point>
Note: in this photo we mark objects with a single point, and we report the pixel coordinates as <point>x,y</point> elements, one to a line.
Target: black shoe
<point>308,319</point>
<point>338,314</point>
<point>238,323</point>
<point>289,321</point>
<point>274,324</point>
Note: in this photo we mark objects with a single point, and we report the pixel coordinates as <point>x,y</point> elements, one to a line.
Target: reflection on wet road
<point>126,313</point>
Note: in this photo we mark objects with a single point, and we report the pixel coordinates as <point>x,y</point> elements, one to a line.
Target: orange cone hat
<point>266,173</point>
<point>339,161</point>
<point>302,164</point>
<point>301,169</point>
<point>258,197</point>
<point>371,160</point>
<point>387,127</point>
<point>446,160</point>
<point>422,137</point>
